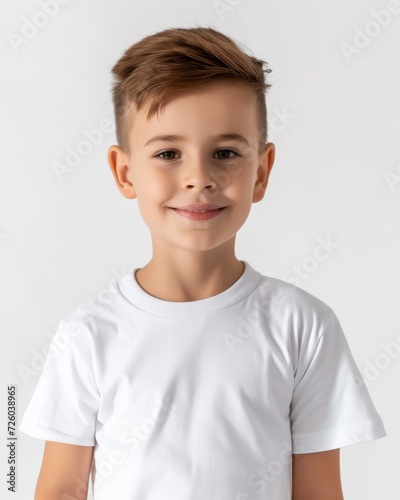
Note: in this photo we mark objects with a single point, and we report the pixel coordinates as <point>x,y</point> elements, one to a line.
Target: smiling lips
<point>199,211</point>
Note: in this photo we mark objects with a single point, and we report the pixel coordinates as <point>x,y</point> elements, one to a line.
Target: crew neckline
<point>132,291</point>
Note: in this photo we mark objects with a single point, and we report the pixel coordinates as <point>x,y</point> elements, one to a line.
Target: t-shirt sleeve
<point>64,405</point>
<point>331,406</point>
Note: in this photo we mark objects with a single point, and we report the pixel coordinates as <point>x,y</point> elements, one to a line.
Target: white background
<point>337,176</point>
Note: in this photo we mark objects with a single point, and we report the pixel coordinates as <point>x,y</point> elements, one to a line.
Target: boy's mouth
<point>199,207</point>
<point>198,211</point>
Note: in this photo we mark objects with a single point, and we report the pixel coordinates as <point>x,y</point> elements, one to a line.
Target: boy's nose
<point>198,175</point>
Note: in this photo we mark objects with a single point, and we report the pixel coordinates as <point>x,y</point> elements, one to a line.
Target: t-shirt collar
<point>245,285</point>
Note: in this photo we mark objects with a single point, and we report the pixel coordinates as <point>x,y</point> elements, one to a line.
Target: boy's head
<point>191,126</point>
<point>161,65</point>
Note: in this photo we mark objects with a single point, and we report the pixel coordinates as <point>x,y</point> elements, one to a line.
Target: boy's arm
<point>64,474</point>
<point>316,476</point>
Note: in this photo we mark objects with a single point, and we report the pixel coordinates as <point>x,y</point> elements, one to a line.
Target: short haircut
<point>159,66</point>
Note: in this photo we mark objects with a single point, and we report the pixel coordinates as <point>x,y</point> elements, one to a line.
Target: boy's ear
<point>266,162</point>
<point>119,164</point>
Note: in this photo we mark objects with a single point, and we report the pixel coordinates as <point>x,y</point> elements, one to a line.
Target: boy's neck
<point>186,277</point>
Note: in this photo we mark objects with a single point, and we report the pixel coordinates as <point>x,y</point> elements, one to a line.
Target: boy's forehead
<point>228,91</point>
<point>220,105</point>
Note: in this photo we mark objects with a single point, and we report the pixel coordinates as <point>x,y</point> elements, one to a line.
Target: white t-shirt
<point>201,399</point>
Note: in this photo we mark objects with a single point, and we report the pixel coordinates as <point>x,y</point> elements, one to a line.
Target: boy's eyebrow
<point>174,138</point>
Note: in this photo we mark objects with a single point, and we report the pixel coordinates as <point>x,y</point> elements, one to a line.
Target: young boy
<point>196,377</point>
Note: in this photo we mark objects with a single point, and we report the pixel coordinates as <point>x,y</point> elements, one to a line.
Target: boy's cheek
<point>235,169</point>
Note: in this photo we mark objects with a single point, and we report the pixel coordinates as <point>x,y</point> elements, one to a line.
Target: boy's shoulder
<point>274,297</point>
<point>292,298</point>
<point>97,309</point>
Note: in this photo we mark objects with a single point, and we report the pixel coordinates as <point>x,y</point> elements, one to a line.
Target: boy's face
<point>223,176</point>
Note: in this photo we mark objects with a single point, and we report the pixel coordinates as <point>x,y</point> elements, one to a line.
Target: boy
<point>197,377</point>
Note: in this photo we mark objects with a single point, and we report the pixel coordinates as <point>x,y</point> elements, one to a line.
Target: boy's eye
<point>225,155</point>
<point>169,155</point>
<point>164,155</point>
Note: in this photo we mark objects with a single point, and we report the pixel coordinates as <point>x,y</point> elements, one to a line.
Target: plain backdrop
<point>334,112</point>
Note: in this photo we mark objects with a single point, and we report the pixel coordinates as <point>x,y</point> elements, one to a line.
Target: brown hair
<point>177,59</point>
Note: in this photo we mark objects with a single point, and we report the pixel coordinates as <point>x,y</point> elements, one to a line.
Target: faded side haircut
<point>159,66</point>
